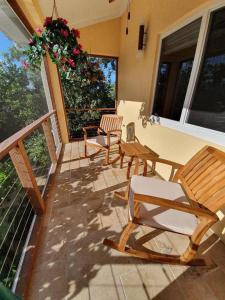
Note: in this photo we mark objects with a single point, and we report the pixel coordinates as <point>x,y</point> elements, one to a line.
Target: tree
<point>89,90</point>
<point>22,100</point>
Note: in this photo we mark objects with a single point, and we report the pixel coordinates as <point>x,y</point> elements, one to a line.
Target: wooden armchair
<point>186,205</point>
<point>109,133</point>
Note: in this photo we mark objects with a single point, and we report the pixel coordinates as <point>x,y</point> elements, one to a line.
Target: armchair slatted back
<point>111,122</point>
<point>203,178</point>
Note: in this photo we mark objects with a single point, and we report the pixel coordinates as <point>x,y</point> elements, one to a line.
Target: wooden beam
<point>27,178</point>
<point>50,141</point>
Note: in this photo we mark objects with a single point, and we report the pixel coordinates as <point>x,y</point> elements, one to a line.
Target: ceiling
<point>81,13</point>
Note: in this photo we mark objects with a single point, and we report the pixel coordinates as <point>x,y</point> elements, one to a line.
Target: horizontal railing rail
<point>91,109</point>
<point>10,142</point>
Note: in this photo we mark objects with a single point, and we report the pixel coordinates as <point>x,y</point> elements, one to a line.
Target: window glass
<point>22,100</point>
<point>22,96</point>
<point>208,105</point>
<point>175,66</point>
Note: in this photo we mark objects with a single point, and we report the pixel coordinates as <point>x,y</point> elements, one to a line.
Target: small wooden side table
<point>134,150</point>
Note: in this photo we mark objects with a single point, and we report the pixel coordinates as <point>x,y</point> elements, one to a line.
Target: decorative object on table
<point>188,208</point>
<point>130,129</point>
<point>109,134</point>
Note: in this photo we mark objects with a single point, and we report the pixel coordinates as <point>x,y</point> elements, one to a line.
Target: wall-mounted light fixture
<point>142,37</point>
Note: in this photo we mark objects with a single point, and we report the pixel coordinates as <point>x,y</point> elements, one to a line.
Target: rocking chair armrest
<point>201,212</point>
<point>89,127</point>
<point>101,131</point>
<point>175,165</point>
<point>115,131</point>
<point>109,132</point>
<point>155,159</point>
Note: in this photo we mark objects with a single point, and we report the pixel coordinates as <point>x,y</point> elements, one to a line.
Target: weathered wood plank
<point>12,141</point>
<point>50,141</point>
<point>25,173</point>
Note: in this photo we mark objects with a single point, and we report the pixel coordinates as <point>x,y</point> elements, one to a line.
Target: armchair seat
<point>161,217</point>
<point>101,140</point>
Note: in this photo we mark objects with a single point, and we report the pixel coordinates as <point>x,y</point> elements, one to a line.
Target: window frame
<point>207,134</point>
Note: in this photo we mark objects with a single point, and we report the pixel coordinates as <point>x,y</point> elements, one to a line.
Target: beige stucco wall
<point>136,75</point>
<point>102,38</point>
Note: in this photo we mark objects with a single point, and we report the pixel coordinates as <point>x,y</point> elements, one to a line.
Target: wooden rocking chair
<point>109,133</point>
<point>188,207</point>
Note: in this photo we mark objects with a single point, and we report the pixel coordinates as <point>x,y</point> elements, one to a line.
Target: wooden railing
<point>14,146</point>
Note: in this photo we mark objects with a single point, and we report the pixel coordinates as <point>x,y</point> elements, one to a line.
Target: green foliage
<point>89,90</point>
<point>22,95</point>
<point>22,101</point>
<point>83,79</point>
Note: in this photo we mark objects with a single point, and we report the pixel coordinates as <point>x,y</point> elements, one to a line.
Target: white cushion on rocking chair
<point>162,217</point>
<point>101,140</point>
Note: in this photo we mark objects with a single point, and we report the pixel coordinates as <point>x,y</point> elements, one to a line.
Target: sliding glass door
<point>190,86</point>
<point>208,103</point>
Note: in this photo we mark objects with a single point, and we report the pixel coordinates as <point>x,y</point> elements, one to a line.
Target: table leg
<point>145,167</point>
<point>136,166</point>
<point>153,168</point>
<point>121,159</point>
<point>129,167</point>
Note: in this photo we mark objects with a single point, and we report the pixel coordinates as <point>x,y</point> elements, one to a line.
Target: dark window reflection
<point>208,105</point>
<point>177,55</point>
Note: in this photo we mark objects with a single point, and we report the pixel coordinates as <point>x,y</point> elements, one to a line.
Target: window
<point>190,85</point>
<point>177,54</point>
<point>208,104</point>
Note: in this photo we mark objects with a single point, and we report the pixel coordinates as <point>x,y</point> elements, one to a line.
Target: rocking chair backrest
<point>203,178</point>
<point>111,122</point>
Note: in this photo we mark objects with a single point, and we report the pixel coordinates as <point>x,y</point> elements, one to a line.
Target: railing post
<point>50,141</point>
<point>25,173</point>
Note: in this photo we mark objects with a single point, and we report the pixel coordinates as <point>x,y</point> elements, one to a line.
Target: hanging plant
<point>61,43</point>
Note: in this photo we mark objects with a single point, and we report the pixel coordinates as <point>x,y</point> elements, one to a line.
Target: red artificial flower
<point>80,46</point>
<point>56,54</point>
<point>76,51</point>
<point>76,32</point>
<point>64,33</point>
<point>39,30</point>
<point>25,65</point>
<point>71,62</point>
<point>64,21</point>
<point>31,42</point>
<point>48,21</point>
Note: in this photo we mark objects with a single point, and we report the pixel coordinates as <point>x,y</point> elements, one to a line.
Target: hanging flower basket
<point>61,43</point>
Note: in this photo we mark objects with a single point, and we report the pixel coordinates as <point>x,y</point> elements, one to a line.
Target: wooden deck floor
<point>73,263</point>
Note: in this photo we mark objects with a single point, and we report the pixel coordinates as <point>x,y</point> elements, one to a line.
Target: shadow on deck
<point>73,263</point>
